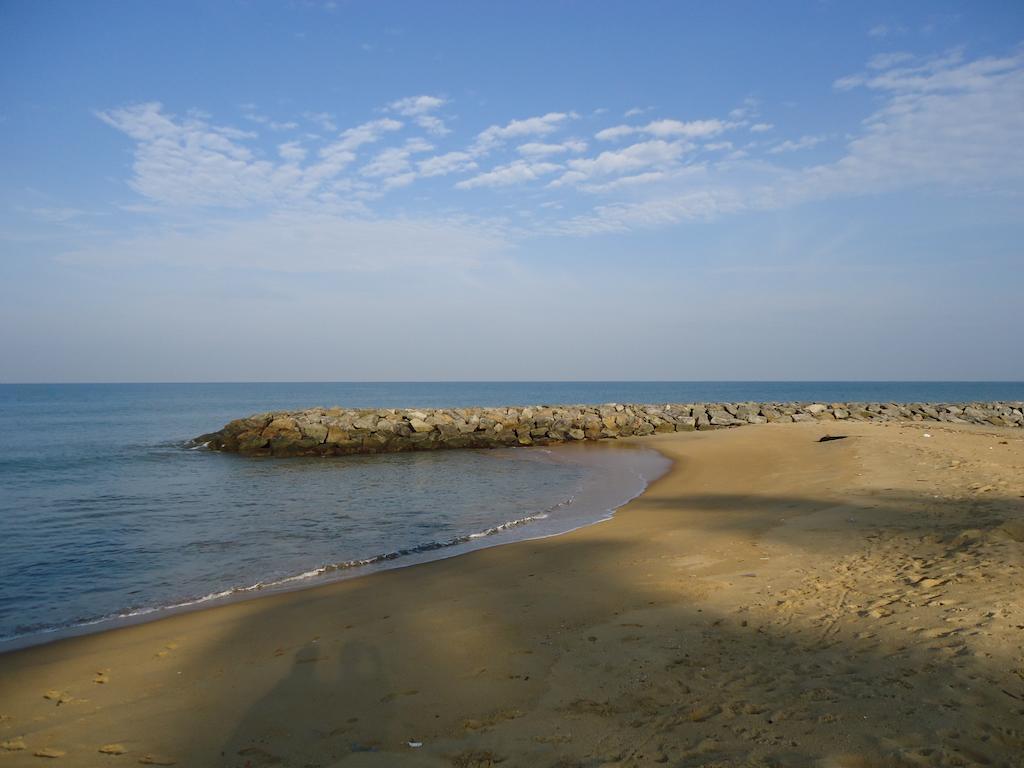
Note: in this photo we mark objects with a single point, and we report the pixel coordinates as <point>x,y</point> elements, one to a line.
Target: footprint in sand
<point>13,745</point>
<point>704,712</point>
<point>102,677</point>
<point>49,752</point>
<point>166,650</point>
<point>262,756</point>
<point>157,760</point>
<point>112,749</point>
<point>61,697</point>
<point>392,696</point>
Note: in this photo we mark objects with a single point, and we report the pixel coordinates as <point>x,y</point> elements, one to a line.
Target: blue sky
<point>362,191</point>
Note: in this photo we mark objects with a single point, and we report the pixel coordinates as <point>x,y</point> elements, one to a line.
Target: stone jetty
<point>343,431</point>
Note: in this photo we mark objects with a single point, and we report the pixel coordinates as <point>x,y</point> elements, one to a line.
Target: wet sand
<point>773,600</point>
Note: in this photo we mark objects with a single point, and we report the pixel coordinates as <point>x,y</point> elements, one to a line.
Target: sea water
<point>106,515</point>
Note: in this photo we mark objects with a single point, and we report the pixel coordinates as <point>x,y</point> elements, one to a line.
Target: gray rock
<point>319,431</point>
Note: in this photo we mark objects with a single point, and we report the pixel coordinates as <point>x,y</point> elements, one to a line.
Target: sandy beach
<point>773,600</point>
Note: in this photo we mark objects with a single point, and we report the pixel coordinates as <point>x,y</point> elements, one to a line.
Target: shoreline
<point>592,504</point>
<point>757,603</point>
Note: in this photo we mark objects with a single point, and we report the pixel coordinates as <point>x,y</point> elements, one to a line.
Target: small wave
<point>323,570</point>
<point>598,500</point>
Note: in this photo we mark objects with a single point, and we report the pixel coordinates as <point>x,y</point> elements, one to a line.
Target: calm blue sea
<point>104,513</point>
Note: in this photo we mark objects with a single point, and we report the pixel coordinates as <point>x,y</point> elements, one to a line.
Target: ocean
<point>107,516</point>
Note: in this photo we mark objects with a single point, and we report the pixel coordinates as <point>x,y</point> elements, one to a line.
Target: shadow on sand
<point>573,657</point>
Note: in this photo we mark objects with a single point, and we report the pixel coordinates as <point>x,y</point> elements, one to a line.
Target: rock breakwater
<point>341,431</point>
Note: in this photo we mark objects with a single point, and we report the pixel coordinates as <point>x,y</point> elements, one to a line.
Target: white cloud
<point>748,109</point>
<point>192,162</point>
<point>433,125</point>
<point>633,112</point>
<point>666,211</point>
<point>693,129</point>
<point>416,105</point>
<point>888,60</point>
<point>395,162</point>
<point>516,172</point>
<point>322,119</point>
<point>666,129</point>
<point>540,149</point>
<point>615,133</point>
<point>944,123</point>
<point>881,31</point>
<point>656,153</point>
<point>804,142</point>
<point>531,126</point>
<point>367,133</point>
<point>338,155</point>
<point>442,165</point>
<point>625,182</point>
<point>387,162</point>
<point>419,109</point>
<point>761,127</point>
<point>291,152</point>
<point>399,180</point>
<point>273,125</point>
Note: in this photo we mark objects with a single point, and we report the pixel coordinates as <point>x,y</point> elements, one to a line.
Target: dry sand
<point>771,601</point>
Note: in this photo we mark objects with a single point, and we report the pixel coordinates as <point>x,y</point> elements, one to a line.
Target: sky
<point>365,191</point>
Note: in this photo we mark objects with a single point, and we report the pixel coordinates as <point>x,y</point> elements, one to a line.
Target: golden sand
<point>772,601</point>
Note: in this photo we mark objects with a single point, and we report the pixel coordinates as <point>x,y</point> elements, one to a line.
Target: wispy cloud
<point>945,122</point>
<point>496,135</point>
<point>516,172</point>
<point>882,31</point>
<point>292,152</point>
<point>940,120</point>
<point>253,116</point>
<point>394,162</point>
<point>804,142</point>
<point>321,120</point>
<point>412,106</point>
<point>420,109</point>
<point>656,153</point>
<point>540,149</point>
<point>665,129</point>
<point>625,182</point>
<point>448,163</point>
<point>193,162</point>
